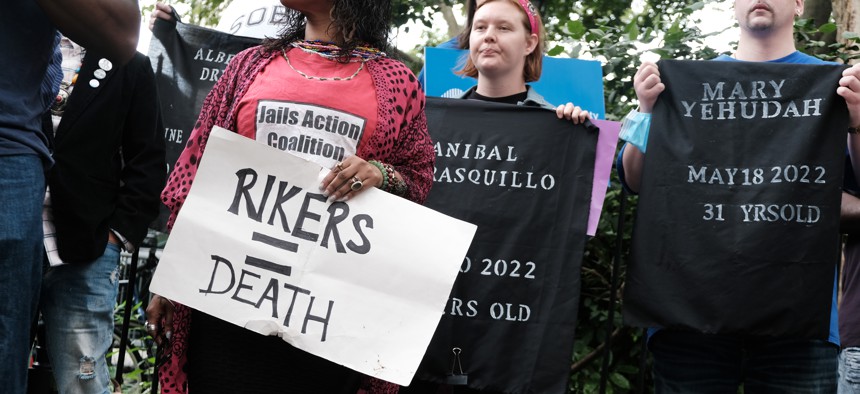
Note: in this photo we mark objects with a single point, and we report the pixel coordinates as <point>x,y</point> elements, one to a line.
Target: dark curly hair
<point>355,22</point>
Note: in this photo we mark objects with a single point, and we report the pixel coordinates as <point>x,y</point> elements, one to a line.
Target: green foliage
<point>195,12</point>
<point>430,38</point>
<point>594,306</point>
<point>140,352</point>
<point>417,10</point>
<point>808,39</point>
<point>620,37</point>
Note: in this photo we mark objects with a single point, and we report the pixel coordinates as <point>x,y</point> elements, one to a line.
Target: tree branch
<point>454,28</point>
<point>583,362</point>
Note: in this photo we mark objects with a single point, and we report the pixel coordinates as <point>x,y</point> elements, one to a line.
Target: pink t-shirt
<point>321,121</point>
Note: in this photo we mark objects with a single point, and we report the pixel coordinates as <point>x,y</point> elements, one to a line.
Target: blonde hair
<point>534,61</point>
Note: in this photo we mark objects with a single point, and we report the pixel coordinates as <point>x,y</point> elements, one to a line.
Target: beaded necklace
<point>360,67</point>
<point>331,51</point>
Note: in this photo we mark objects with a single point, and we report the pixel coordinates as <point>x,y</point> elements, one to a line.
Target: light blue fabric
<point>849,371</point>
<point>634,129</point>
<point>77,306</point>
<point>533,99</point>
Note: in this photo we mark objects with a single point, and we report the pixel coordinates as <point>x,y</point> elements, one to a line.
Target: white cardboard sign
<point>361,283</point>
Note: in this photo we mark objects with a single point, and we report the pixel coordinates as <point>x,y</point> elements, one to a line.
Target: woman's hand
<point>350,177</point>
<point>159,319</point>
<point>161,11</point>
<point>571,112</point>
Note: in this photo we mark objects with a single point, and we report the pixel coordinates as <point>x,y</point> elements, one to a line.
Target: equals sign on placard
<point>270,265</point>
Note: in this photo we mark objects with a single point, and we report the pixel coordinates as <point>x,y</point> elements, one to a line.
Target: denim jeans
<point>686,362</point>
<point>849,371</point>
<point>22,189</point>
<point>77,307</point>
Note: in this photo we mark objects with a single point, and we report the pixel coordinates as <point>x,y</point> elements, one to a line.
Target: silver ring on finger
<point>356,184</point>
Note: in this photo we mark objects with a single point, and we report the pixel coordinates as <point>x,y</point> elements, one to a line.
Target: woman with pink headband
<point>506,45</point>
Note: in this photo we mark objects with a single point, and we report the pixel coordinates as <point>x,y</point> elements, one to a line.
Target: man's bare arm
<point>110,27</point>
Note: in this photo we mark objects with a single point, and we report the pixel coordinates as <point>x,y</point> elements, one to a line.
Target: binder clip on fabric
<point>457,377</point>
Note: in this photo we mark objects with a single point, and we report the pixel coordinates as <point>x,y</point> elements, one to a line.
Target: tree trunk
<point>454,28</point>
<point>819,11</point>
<point>846,14</point>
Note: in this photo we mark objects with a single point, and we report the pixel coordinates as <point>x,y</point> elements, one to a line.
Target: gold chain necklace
<point>360,67</point>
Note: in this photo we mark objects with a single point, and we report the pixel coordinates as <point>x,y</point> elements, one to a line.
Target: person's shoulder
<point>141,59</point>
<point>251,54</point>
<point>453,43</point>
<point>796,57</point>
<point>403,85</point>
<point>799,57</point>
<point>534,99</point>
<point>136,61</point>
<point>140,64</point>
<point>469,92</point>
<point>250,50</point>
<point>397,70</point>
<point>386,61</point>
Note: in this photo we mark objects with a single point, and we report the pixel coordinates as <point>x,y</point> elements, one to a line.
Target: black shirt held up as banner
<point>737,226</point>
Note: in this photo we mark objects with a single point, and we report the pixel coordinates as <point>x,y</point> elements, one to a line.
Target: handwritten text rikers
<point>260,281</point>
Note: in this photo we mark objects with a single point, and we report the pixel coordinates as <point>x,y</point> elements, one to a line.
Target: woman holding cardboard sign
<point>325,81</point>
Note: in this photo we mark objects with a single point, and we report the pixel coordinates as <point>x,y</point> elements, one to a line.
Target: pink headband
<point>530,12</point>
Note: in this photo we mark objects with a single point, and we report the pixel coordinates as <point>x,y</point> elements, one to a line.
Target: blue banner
<point>563,80</point>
